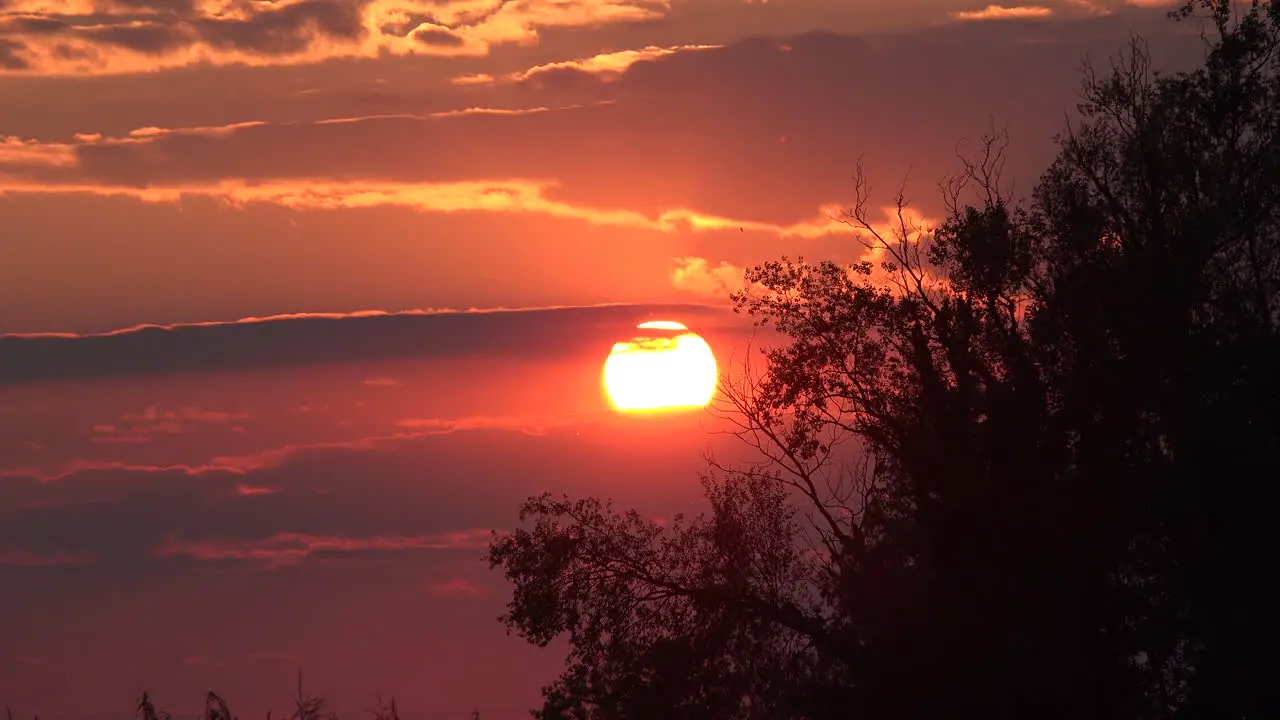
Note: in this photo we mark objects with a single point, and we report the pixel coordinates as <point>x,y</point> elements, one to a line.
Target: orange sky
<point>218,503</point>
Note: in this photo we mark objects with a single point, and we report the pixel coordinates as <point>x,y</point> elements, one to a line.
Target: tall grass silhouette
<point>305,707</point>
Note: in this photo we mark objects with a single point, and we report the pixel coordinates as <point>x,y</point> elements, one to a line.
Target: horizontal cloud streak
<point>419,494</point>
<point>1000,12</point>
<point>290,548</point>
<point>605,66</point>
<point>240,465</point>
<point>499,196</point>
<point>325,338</point>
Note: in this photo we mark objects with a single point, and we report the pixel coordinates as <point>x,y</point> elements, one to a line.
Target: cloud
<point>132,37</point>
<point>497,196</point>
<point>406,431</point>
<point>457,586</point>
<point>246,464</point>
<point>523,425</point>
<point>1089,7</point>
<point>412,497</point>
<point>604,66</point>
<point>1000,12</point>
<point>674,144</point>
<point>141,428</point>
<point>308,339</point>
<point>290,548</point>
<point>697,275</point>
<point>205,416</point>
<point>17,154</point>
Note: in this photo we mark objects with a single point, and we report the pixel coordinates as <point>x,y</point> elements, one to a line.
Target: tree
<point>1064,413</point>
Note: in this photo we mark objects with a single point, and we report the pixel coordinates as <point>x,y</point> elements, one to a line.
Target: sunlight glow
<point>667,368</point>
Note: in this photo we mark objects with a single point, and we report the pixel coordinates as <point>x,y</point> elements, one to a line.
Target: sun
<point>666,367</point>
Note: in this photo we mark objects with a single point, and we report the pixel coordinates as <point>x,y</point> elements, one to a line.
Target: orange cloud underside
<point>1000,12</point>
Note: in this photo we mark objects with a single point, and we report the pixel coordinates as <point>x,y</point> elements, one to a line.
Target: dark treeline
<point>1066,409</point>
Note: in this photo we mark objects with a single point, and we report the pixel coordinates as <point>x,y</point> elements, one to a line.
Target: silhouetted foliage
<point>1066,410</point>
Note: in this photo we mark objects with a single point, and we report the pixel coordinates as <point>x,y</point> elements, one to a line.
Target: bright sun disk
<point>667,368</point>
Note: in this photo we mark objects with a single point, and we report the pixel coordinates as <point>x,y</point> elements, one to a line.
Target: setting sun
<point>667,367</point>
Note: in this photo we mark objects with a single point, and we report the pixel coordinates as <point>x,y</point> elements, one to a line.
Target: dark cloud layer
<point>419,495</point>
<point>304,340</point>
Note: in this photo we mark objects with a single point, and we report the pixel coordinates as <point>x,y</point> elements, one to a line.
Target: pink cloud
<point>209,416</point>
<point>121,440</point>
<point>456,586</point>
<point>141,426</point>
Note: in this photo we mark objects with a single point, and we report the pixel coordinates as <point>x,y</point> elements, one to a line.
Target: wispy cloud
<point>143,427</point>
<point>512,196</point>
<point>606,66</point>
<point>456,586</point>
<point>523,425</point>
<point>247,464</point>
<point>288,548</point>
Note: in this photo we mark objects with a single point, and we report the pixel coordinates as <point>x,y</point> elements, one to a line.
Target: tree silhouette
<point>1063,415</point>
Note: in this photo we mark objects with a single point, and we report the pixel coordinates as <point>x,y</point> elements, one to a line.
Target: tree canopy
<point>1065,411</point>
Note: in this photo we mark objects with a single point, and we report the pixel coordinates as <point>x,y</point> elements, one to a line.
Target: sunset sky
<point>300,298</point>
